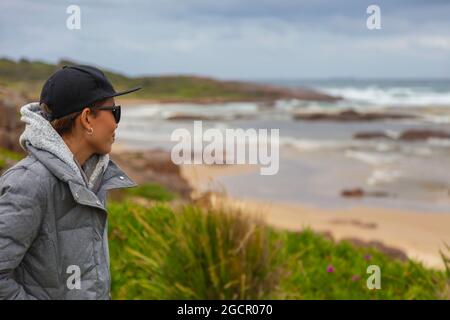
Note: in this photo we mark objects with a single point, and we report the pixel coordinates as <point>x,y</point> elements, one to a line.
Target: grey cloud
<point>278,38</point>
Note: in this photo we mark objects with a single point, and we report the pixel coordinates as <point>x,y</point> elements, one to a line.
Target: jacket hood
<point>41,136</point>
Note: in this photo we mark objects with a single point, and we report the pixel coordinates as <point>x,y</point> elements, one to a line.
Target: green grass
<point>193,253</point>
<point>8,156</point>
<point>311,256</point>
<point>161,254</point>
<point>151,191</point>
<point>4,153</point>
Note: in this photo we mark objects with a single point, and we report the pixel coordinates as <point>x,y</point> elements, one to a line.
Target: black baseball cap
<point>72,88</point>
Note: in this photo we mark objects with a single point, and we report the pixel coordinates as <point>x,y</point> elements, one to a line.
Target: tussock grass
<point>190,254</point>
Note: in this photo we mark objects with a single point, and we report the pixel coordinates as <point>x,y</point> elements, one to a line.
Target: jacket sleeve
<point>21,211</point>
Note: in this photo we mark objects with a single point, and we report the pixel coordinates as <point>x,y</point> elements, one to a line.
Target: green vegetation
<point>159,252</point>
<point>321,269</point>
<point>7,156</point>
<point>151,191</point>
<point>28,78</point>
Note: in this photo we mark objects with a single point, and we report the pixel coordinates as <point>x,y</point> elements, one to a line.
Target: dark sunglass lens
<point>116,112</point>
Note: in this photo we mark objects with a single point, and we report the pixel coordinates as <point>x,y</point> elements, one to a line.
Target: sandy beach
<point>419,235</point>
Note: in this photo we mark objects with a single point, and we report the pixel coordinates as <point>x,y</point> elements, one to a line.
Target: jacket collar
<point>113,178</point>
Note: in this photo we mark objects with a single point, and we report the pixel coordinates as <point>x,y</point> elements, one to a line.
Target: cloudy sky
<point>240,39</point>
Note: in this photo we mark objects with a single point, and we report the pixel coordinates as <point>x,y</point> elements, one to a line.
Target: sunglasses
<point>115,111</point>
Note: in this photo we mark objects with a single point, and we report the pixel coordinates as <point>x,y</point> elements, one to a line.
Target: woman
<point>53,221</point>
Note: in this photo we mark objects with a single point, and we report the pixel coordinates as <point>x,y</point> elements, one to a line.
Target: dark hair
<point>66,124</point>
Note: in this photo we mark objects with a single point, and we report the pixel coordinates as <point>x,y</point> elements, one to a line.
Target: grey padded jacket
<point>53,221</point>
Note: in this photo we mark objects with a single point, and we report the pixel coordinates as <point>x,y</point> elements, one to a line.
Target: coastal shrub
<point>158,253</point>
<point>322,269</point>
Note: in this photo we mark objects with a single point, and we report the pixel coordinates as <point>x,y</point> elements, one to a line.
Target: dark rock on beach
<point>371,135</point>
<point>354,193</point>
<point>190,117</point>
<point>414,135</point>
<point>359,193</point>
<point>407,135</point>
<point>351,115</point>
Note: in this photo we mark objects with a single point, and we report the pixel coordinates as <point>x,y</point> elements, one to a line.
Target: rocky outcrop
<point>191,117</point>
<point>153,166</point>
<point>10,125</point>
<point>407,135</point>
<point>359,193</point>
<point>371,135</point>
<point>415,135</point>
<point>351,115</point>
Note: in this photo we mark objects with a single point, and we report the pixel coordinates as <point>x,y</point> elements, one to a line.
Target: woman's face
<point>104,126</point>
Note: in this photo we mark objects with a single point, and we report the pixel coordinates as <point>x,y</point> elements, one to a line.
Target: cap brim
<point>126,91</point>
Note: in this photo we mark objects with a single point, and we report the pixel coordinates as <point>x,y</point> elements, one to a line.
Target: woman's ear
<point>85,118</point>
